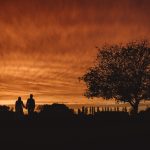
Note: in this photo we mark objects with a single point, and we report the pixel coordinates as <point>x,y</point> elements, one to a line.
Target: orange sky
<point>45,45</point>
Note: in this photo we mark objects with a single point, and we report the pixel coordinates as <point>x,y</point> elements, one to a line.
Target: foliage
<point>121,72</point>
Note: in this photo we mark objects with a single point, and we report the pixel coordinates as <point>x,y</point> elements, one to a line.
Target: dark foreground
<point>104,130</point>
<point>112,136</point>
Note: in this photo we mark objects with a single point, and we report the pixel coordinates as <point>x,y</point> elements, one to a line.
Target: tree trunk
<point>135,108</point>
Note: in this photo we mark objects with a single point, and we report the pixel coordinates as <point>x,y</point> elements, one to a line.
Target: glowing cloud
<point>45,45</point>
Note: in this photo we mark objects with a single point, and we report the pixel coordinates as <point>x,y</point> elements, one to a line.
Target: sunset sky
<point>45,45</point>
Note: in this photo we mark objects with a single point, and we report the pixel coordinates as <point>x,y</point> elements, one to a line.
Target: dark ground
<point>106,136</point>
<point>62,131</point>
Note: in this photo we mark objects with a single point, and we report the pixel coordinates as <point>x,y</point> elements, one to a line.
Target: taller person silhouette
<point>30,105</point>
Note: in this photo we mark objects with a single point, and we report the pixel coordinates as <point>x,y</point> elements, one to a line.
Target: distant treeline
<point>60,115</point>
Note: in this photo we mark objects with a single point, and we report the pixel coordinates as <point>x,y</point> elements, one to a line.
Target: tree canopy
<point>121,72</point>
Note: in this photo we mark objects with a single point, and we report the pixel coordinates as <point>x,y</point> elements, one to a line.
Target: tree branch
<point>132,103</point>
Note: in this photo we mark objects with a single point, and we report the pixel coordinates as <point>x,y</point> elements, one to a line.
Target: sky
<point>46,45</point>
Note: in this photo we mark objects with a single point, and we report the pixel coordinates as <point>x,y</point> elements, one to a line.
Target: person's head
<point>31,95</point>
<point>19,98</point>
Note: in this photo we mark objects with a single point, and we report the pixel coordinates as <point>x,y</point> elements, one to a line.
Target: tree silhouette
<point>121,72</point>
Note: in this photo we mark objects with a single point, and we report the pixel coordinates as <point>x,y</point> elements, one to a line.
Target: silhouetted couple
<point>30,106</point>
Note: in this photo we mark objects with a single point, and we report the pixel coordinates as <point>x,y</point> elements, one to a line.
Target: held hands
<point>25,107</point>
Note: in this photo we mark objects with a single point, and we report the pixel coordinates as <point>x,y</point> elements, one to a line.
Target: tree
<point>121,72</point>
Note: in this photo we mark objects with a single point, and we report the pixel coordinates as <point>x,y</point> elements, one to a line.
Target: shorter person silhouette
<point>19,107</point>
<point>30,105</point>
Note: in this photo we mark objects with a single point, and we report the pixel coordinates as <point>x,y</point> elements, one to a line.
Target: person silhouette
<point>30,105</point>
<point>19,107</point>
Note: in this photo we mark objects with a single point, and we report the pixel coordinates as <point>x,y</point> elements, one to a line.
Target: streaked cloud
<point>45,45</point>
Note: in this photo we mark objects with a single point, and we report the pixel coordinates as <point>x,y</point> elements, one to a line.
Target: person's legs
<point>32,111</point>
<point>29,111</point>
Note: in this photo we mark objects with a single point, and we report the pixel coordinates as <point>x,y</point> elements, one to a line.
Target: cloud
<point>45,45</point>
